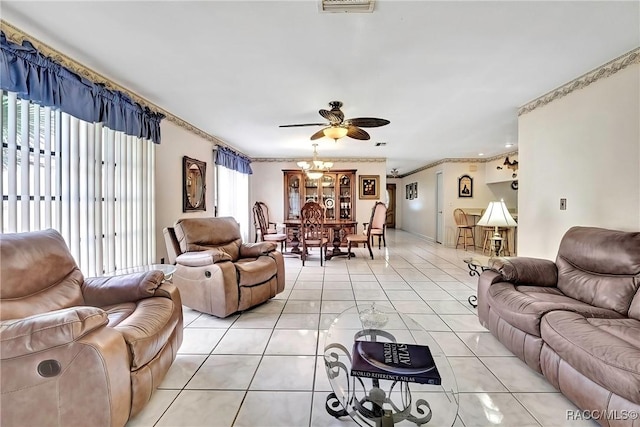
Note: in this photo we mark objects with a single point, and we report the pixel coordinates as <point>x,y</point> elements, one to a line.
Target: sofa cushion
<point>524,306</point>
<point>118,312</point>
<point>254,271</point>
<point>607,351</point>
<point>148,328</point>
<point>599,267</point>
<point>202,258</point>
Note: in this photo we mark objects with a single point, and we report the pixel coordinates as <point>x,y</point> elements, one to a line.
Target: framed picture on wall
<point>407,189</point>
<point>369,186</point>
<point>465,186</point>
<point>415,190</point>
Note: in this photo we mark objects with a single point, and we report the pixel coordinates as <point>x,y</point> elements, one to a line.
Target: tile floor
<point>263,368</point>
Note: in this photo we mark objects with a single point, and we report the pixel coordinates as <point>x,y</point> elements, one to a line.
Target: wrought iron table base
<point>473,271</point>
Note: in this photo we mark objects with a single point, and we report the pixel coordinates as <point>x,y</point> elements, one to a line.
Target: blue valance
<point>33,76</point>
<point>232,160</point>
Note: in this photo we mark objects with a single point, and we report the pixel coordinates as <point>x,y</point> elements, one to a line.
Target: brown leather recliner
<point>217,273</point>
<point>575,320</point>
<point>76,351</point>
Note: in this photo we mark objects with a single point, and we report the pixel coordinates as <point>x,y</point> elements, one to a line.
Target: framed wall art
<point>465,186</point>
<point>369,186</point>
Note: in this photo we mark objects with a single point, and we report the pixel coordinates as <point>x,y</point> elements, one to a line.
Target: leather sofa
<point>76,351</point>
<point>216,272</point>
<point>575,320</point>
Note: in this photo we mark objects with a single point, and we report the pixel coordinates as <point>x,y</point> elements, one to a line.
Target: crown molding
<point>330,159</point>
<point>16,35</point>
<point>458,160</point>
<point>602,72</point>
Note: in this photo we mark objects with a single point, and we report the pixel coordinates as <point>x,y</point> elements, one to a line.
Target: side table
<point>476,267</point>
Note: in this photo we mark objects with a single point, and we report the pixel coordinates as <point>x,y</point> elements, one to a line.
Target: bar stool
<point>464,228</point>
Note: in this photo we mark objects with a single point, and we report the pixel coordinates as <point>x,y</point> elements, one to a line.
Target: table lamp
<point>497,215</point>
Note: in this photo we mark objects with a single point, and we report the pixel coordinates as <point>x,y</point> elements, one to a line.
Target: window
<point>92,184</point>
<point>233,197</point>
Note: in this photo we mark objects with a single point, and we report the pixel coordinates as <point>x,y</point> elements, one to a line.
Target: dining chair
<point>261,220</point>
<point>379,223</point>
<point>312,232</point>
<point>465,230</point>
<point>365,238</point>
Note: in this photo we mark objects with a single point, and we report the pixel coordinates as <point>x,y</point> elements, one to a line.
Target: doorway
<point>439,208</point>
<point>391,208</point>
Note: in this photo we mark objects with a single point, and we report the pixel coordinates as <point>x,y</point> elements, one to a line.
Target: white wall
<point>584,147</point>
<point>266,185</point>
<point>176,143</point>
<point>419,215</point>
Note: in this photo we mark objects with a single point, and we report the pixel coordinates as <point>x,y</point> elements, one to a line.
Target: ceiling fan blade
<point>332,116</point>
<point>318,134</point>
<point>357,133</point>
<point>368,122</point>
<point>304,124</point>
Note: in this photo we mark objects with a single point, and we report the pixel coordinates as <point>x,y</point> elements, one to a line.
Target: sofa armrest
<point>40,332</point>
<point>526,271</point>
<point>109,290</point>
<point>254,250</point>
<point>202,258</point>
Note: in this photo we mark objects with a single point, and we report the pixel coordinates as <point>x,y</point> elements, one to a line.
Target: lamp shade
<point>335,132</point>
<point>497,215</point>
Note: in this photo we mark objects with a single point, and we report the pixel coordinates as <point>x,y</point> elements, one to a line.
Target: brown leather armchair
<point>78,351</point>
<point>217,273</point>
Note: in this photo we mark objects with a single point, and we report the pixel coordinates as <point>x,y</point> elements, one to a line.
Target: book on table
<point>394,361</point>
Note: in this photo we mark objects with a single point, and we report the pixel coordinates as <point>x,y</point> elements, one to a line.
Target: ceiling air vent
<point>380,144</point>
<point>349,6</point>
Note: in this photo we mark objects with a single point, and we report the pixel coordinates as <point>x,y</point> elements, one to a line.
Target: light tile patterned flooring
<point>263,368</point>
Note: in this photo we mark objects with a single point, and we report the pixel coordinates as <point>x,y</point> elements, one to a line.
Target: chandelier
<point>316,168</point>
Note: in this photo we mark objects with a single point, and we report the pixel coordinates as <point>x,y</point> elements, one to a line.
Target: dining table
<point>337,230</point>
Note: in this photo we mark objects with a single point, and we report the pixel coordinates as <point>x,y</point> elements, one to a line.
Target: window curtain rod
<point>38,78</point>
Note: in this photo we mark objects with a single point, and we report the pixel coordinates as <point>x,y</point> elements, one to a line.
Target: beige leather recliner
<point>76,351</point>
<point>217,273</point>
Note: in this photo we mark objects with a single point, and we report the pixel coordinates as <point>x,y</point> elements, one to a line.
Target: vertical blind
<point>91,183</point>
<point>233,197</point>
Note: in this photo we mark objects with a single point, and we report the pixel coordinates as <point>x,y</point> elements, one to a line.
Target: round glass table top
<point>167,269</point>
<point>385,402</point>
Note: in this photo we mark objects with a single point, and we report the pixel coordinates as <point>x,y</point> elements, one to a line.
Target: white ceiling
<point>449,75</point>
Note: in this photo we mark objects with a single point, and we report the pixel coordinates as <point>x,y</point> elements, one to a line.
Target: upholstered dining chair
<point>261,219</point>
<point>465,230</point>
<point>363,238</point>
<point>312,233</point>
<point>378,223</point>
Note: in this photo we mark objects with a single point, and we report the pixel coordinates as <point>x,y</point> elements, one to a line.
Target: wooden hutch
<point>336,190</point>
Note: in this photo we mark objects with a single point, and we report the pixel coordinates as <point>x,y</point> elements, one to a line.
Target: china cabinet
<point>336,190</point>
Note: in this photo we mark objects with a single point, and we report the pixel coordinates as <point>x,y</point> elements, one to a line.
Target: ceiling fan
<point>338,127</point>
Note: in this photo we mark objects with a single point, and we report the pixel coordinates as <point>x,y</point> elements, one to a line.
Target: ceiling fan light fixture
<point>335,132</point>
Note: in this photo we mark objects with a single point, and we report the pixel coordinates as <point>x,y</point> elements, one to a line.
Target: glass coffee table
<point>167,270</point>
<point>385,402</point>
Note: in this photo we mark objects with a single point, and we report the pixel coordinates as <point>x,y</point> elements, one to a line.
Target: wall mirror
<point>193,184</point>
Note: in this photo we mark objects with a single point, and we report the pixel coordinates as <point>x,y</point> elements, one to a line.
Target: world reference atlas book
<point>394,361</point>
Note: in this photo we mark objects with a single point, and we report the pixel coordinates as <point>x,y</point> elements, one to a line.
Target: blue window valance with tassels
<point>33,76</point>
<point>232,160</point>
